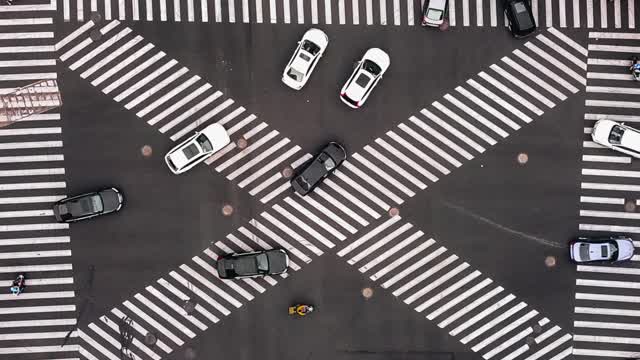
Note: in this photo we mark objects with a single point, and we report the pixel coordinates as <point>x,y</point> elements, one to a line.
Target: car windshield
<point>434,14</point>
<point>302,181</point>
<point>294,74</point>
<point>363,80</point>
<point>263,262</point>
<point>190,151</point>
<point>204,142</point>
<point>615,136</point>
<point>371,67</point>
<point>310,47</point>
<point>328,162</point>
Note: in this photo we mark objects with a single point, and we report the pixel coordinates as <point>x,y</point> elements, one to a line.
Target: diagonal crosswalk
<point>478,13</point>
<point>32,177</point>
<point>606,310</point>
<point>490,106</point>
<point>439,285</point>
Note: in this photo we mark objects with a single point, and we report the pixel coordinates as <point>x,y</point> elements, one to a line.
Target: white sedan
<point>366,75</point>
<point>310,49</point>
<point>618,137</point>
<point>197,148</point>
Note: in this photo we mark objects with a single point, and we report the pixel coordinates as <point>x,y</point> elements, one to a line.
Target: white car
<point>197,148</point>
<point>310,49</point>
<point>366,75</point>
<point>613,248</point>
<point>433,12</point>
<point>618,137</point>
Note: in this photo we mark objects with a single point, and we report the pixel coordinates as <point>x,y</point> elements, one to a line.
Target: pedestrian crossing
<point>548,13</point>
<point>606,305</point>
<point>439,138</point>
<point>486,109</point>
<point>439,285</point>
<point>191,298</point>
<point>32,177</point>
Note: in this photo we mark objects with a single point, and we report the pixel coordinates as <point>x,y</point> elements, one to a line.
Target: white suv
<point>197,148</point>
<point>309,51</point>
<point>618,137</point>
<point>368,72</point>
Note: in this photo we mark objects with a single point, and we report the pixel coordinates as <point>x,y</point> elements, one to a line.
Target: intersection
<point>457,171</point>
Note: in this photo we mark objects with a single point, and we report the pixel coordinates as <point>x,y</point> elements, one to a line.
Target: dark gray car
<point>319,168</point>
<point>89,205</point>
<point>253,264</point>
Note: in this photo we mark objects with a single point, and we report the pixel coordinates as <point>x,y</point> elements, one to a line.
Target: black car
<point>319,168</point>
<point>521,21</point>
<point>253,264</point>
<point>89,205</point>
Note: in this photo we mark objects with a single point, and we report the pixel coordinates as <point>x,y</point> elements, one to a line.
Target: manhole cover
<point>242,143</point>
<point>630,206</point>
<point>550,261</point>
<point>95,35</point>
<point>150,339</point>
<point>531,341</point>
<point>189,307</point>
<point>537,329</point>
<point>146,151</point>
<point>523,158</point>
<point>287,172</point>
<point>95,17</point>
<point>367,292</point>
<point>227,210</point>
<point>444,26</point>
<point>394,212</point>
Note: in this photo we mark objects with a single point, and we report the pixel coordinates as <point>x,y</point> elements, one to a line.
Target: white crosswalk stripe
<point>561,13</point>
<point>606,309</point>
<point>33,178</point>
<point>459,297</point>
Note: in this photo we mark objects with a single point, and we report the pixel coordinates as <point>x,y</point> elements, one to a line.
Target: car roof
<point>523,20</point>
<point>355,91</point>
<point>630,138</point>
<point>300,64</point>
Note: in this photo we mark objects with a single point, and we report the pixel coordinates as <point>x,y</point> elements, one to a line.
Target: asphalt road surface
<point>443,237</point>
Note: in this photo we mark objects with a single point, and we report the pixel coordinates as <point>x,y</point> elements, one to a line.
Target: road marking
<point>452,130</point>
<point>366,267</point>
<point>399,261</point>
<point>383,12</point>
<point>41,322</point>
<point>164,98</point>
<point>293,219</point>
<point>269,166</point>
<point>194,289</point>
<point>535,79</point>
<point>477,116</point>
<point>609,159</point>
<point>464,123</point>
<point>112,341</point>
<point>279,239</point>
<point>499,333</point>
<point>142,82</point>
<point>294,235</point>
<point>419,153</point>
<point>543,54</point>
<point>184,297</point>
<point>459,298</point>
<point>136,326</point>
<point>111,324</point>
<point>369,9</point>
<point>536,110</point>
<point>483,314</point>
<point>422,276</point>
<point>355,12</point>
<point>331,215</point>
<point>175,307</point>
<point>392,165</point>
<point>264,154</point>
<point>361,255</point>
<point>373,183</point>
<point>96,345</point>
<point>418,294</point>
<point>327,12</point>
<point>223,294</point>
<point>441,295</point>
<point>342,176</point>
<point>138,312</point>
<point>347,195</point>
<point>453,146</point>
<point>383,174</point>
<point>192,110</point>
<point>341,12</point>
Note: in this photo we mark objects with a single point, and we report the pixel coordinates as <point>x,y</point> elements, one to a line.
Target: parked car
<point>88,205</point>
<point>319,168</point>
<point>305,58</point>
<point>613,248</point>
<point>520,16</point>
<point>253,264</point>
<point>618,137</point>
<point>434,12</point>
<point>367,73</point>
<point>197,148</point>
